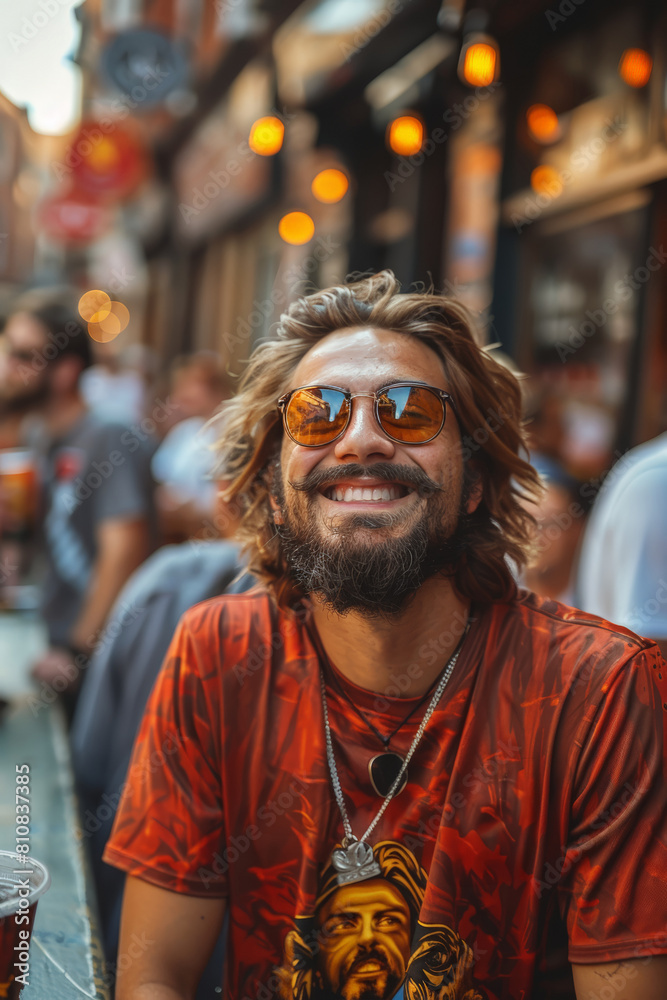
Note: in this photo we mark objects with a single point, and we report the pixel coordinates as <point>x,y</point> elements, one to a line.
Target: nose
<point>366,935</point>
<point>364,439</point>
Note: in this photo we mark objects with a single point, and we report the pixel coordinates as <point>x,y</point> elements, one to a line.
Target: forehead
<point>24,329</point>
<point>368,357</point>
<point>375,894</point>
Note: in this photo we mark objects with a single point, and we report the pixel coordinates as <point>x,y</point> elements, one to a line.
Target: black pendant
<point>383,770</point>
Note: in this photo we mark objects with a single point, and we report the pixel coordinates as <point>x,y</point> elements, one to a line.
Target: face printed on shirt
<point>366,940</point>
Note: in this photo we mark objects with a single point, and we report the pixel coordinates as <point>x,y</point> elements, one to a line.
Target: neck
<point>401,658</point>
<point>62,412</point>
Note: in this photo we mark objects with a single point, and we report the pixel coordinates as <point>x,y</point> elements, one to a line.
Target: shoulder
<point>636,475</point>
<point>237,625</point>
<point>563,645</point>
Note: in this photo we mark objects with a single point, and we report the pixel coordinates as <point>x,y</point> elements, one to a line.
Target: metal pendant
<point>383,770</point>
<point>354,862</point>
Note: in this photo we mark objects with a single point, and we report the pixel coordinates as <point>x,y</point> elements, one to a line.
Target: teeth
<point>349,494</point>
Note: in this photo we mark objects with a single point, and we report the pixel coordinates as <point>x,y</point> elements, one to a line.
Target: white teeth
<point>349,494</point>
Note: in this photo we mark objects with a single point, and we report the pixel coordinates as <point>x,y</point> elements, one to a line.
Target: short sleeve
<point>612,890</point>
<point>169,825</point>
<point>124,463</point>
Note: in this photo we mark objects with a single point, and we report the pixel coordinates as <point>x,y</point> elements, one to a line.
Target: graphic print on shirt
<point>364,941</point>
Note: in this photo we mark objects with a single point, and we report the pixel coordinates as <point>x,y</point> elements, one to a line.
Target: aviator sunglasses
<point>409,412</point>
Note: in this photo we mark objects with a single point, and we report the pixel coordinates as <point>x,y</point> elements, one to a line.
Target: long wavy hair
<point>488,407</point>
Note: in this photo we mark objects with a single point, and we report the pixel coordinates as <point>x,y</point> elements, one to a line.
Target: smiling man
<point>509,750</point>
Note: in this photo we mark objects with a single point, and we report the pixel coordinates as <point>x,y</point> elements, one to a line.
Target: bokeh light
<point>635,67</point>
<point>94,305</point>
<point>296,228</point>
<point>108,327</point>
<point>330,185</point>
<point>546,180</point>
<point>543,123</point>
<point>480,64</point>
<point>406,135</point>
<point>266,136</point>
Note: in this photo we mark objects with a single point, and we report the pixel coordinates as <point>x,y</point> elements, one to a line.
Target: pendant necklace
<point>354,861</point>
<point>382,767</point>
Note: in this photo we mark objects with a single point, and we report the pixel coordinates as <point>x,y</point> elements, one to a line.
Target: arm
<point>122,547</point>
<point>174,936</point>
<point>632,979</point>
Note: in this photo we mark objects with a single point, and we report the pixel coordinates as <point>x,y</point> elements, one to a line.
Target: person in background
<point>623,566</point>
<point>183,464</point>
<point>114,387</point>
<point>96,483</point>
<point>560,515</point>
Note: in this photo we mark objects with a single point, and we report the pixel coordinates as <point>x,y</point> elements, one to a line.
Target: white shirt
<point>623,564</point>
<point>184,462</point>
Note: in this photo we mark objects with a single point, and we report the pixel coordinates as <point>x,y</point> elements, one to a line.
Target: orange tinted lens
<point>315,416</point>
<point>411,413</point>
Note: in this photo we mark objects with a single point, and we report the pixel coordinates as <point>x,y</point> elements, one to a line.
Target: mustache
<point>374,954</point>
<point>423,485</point>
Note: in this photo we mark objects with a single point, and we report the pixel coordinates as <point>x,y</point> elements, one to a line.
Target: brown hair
<point>488,407</point>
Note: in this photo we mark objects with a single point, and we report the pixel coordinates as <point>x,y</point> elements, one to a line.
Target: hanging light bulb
<point>479,62</point>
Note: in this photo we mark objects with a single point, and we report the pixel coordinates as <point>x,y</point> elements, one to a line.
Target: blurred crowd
<point>101,461</point>
<point>110,511</point>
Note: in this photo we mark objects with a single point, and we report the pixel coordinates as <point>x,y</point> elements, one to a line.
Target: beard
<point>375,577</point>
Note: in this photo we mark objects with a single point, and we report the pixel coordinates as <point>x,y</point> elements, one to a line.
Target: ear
<point>476,487</point>
<point>277,512</point>
<point>275,506</point>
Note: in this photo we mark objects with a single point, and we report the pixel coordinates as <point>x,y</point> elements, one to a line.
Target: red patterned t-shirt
<point>532,831</point>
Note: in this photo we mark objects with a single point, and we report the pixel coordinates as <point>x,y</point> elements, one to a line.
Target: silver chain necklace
<point>354,861</point>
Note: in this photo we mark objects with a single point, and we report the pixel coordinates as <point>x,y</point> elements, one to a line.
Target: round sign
<point>145,66</point>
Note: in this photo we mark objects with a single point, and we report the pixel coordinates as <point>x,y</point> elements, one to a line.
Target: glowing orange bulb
<point>543,123</point>
<point>546,180</point>
<point>480,64</point>
<point>406,135</point>
<point>635,67</point>
<point>266,136</point>
<point>330,185</point>
<point>104,328</point>
<point>94,305</point>
<point>296,228</point>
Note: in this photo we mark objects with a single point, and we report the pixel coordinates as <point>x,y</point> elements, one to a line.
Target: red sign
<point>106,158</point>
<point>73,218</point>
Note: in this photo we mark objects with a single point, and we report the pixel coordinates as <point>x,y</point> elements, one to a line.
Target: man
<point>96,484</point>
<point>389,684</point>
<point>623,565</point>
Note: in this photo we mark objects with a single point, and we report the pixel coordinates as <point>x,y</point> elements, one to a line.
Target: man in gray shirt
<point>96,489</point>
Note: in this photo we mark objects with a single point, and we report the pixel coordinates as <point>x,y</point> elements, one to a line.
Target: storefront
<point>579,285</point>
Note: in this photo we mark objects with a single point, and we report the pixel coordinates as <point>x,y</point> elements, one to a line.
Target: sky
<point>36,36</point>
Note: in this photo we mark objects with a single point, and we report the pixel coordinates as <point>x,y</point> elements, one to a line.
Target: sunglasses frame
<point>445,397</point>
